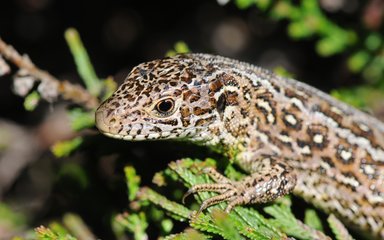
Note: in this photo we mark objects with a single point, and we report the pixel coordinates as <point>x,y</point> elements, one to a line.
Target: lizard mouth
<point>139,137</point>
<point>102,125</point>
<point>132,132</point>
<point>139,131</point>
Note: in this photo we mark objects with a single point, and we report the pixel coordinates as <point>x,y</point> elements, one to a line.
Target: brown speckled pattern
<point>287,135</point>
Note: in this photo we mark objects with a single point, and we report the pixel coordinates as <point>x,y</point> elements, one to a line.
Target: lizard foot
<point>270,181</point>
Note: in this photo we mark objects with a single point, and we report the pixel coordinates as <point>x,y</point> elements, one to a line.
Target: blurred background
<point>334,45</point>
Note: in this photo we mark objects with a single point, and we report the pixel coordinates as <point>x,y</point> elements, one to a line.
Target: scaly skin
<point>289,136</point>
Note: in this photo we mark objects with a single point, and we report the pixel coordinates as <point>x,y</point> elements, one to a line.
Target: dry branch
<point>50,87</point>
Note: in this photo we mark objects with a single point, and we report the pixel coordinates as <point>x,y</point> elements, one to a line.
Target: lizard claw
<point>263,186</point>
<point>189,192</point>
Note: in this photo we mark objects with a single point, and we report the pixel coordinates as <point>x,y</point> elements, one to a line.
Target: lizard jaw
<point>130,133</point>
<point>138,137</point>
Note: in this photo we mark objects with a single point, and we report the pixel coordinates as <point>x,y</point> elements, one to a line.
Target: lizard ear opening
<point>221,103</point>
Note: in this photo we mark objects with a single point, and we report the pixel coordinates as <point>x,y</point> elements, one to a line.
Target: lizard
<point>288,136</point>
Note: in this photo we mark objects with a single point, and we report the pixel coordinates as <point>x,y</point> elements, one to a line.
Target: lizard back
<point>337,151</point>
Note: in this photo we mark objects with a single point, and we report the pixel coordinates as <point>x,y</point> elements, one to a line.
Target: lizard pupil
<point>165,106</point>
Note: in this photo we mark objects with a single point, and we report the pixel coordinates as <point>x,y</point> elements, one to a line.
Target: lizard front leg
<point>270,179</point>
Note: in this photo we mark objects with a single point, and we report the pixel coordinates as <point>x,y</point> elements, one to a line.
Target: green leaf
<point>358,97</point>
<point>31,101</point>
<point>284,9</point>
<point>58,228</point>
<point>338,228</point>
<point>110,86</point>
<point>375,70</point>
<point>243,4</point>
<point>133,182</point>
<point>10,217</point>
<point>373,41</point>
<point>299,29</point>
<point>64,148</point>
<point>286,221</point>
<point>283,72</point>
<point>240,223</point>
<point>159,179</point>
<point>328,46</point>
<point>358,61</point>
<point>223,221</point>
<point>134,223</point>
<point>83,63</point>
<point>248,223</point>
<point>205,223</point>
<point>312,219</point>
<point>262,228</point>
<point>177,211</point>
<point>308,20</point>
<point>251,226</point>
<point>232,173</point>
<point>118,229</point>
<point>167,225</point>
<point>180,47</point>
<point>186,235</point>
<point>43,233</point>
<point>75,225</point>
<point>81,119</point>
<point>263,4</point>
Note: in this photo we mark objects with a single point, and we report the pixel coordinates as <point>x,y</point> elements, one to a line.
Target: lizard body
<point>289,136</point>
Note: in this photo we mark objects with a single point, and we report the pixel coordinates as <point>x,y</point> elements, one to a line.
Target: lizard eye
<point>165,107</point>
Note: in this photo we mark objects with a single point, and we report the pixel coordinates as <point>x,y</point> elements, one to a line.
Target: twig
<point>50,87</point>
<point>316,234</point>
<point>338,228</point>
<point>4,67</point>
<point>77,227</point>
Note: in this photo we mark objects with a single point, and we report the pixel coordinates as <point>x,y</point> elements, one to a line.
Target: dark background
<point>119,35</point>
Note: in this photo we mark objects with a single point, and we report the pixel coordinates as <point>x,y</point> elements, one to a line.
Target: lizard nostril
<point>100,121</point>
<point>112,121</point>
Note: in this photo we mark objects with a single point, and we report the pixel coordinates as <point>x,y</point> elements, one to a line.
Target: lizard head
<point>163,99</point>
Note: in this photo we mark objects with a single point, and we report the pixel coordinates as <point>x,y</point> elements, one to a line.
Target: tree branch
<point>50,87</point>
